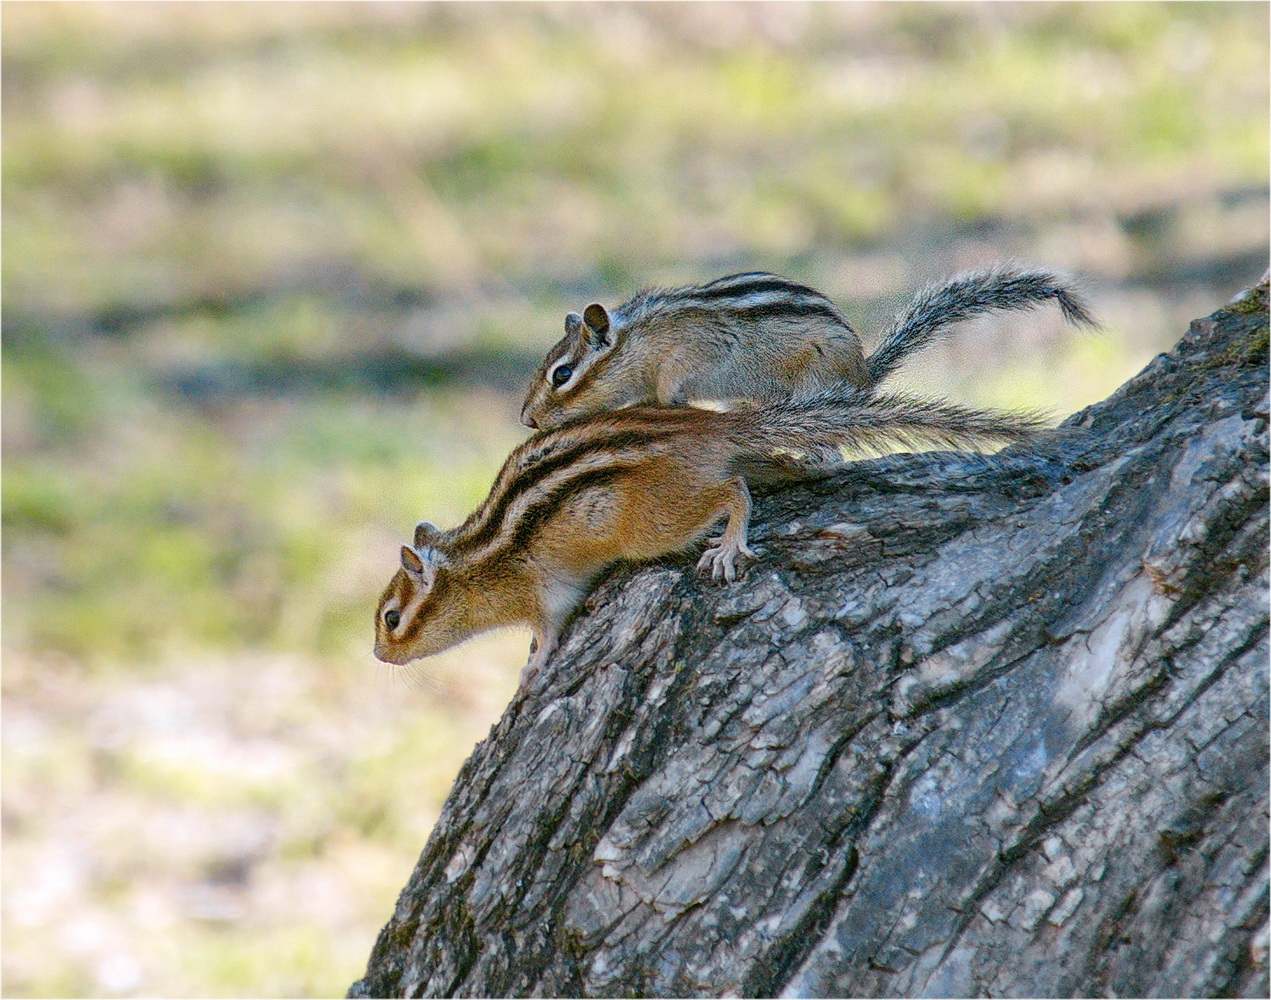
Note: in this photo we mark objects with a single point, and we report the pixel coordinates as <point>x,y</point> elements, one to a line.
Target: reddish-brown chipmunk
<point>634,484</point>
<point>754,336</point>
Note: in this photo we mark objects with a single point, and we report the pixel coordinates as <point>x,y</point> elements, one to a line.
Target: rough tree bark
<point>965,728</point>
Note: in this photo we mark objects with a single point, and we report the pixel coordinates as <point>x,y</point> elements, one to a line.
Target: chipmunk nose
<point>382,653</point>
<point>528,421</point>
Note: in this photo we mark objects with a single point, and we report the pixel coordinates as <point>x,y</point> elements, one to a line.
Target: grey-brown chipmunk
<point>633,484</point>
<point>756,337</point>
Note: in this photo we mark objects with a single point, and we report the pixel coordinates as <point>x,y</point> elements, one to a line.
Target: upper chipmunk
<point>756,337</point>
<point>633,484</point>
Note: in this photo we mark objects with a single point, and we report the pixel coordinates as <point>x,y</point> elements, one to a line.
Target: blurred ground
<point>274,275</point>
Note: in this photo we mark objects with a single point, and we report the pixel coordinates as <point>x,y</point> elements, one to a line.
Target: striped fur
<point>754,336</point>
<point>634,484</point>
<point>758,337</point>
<point>750,296</point>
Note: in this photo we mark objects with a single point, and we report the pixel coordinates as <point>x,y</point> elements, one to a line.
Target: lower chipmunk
<point>634,485</point>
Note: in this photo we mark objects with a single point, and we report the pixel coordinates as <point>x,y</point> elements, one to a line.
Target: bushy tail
<point>781,441</point>
<point>937,307</point>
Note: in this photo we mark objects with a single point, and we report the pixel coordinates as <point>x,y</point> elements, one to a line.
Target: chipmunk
<point>754,336</point>
<point>632,484</point>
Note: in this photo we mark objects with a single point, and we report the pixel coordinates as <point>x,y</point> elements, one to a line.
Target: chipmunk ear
<point>596,325</point>
<point>425,531</point>
<point>411,562</point>
<point>573,323</point>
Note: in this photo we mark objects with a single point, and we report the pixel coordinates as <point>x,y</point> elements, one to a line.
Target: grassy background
<point>274,276</point>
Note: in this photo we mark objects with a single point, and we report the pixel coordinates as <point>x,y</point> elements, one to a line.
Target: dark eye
<point>392,618</point>
<point>561,375</point>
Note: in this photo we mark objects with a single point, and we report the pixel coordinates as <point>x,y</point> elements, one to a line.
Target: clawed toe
<point>721,558</point>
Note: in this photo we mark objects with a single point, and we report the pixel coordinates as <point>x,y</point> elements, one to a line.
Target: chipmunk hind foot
<point>541,649</point>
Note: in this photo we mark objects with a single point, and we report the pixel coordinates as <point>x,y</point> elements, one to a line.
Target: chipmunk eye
<point>561,375</point>
<point>392,618</point>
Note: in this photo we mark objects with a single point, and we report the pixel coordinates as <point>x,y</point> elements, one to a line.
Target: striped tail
<point>937,307</point>
<point>776,442</point>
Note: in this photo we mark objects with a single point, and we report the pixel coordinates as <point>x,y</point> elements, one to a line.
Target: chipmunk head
<point>417,612</point>
<point>570,382</point>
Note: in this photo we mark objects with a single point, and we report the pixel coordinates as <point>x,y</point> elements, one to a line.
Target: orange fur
<point>633,484</point>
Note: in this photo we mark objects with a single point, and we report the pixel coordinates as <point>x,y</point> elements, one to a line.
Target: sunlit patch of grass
<point>277,330</point>
<point>199,818</point>
<point>50,396</point>
<point>425,157</point>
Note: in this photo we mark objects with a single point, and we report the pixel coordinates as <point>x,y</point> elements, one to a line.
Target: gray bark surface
<point>967,727</point>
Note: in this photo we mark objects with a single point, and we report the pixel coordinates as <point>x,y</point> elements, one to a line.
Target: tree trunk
<point>967,727</point>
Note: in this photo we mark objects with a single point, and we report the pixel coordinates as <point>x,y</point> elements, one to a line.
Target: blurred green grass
<point>274,274</point>
<point>430,149</point>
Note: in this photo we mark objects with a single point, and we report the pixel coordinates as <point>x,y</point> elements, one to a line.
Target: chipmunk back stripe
<point>551,501</point>
<point>737,306</point>
<point>603,446</point>
<point>754,296</point>
<point>753,284</point>
<point>539,449</point>
<point>533,453</point>
<point>742,277</point>
<point>736,291</point>
<point>740,291</point>
<point>613,445</point>
<point>772,310</point>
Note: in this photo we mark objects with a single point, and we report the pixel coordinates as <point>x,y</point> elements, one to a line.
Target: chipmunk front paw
<point>721,558</point>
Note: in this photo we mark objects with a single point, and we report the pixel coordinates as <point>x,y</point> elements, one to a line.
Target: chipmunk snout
<point>382,653</point>
<point>528,421</point>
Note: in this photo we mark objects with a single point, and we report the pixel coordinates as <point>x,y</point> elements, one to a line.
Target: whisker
<point>420,680</point>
